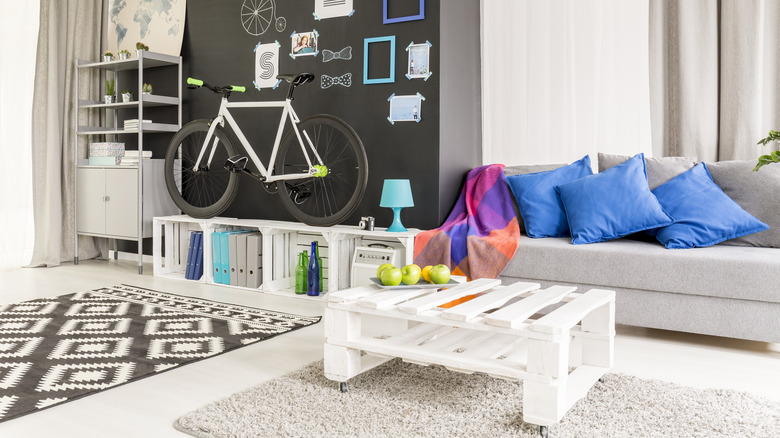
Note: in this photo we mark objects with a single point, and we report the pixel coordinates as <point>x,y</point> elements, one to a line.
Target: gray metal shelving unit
<point>151,198</point>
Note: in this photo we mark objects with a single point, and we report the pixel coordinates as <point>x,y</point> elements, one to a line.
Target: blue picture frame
<point>391,77</point>
<point>419,16</point>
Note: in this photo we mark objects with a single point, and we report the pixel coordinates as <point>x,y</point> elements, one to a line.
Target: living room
<point>519,83</point>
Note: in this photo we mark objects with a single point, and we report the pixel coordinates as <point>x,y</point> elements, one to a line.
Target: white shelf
<point>172,232</point>
<point>147,128</point>
<point>150,197</point>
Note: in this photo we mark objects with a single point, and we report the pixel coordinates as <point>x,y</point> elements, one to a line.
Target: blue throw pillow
<point>703,214</point>
<point>611,204</point>
<point>538,201</point>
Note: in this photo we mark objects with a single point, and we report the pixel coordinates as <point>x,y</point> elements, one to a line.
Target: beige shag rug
<point>404,400</point>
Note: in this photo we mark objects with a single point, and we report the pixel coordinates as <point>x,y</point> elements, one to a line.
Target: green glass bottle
<point>300,274</point>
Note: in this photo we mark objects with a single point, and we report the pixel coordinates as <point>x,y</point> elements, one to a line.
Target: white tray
<point>422,284</point>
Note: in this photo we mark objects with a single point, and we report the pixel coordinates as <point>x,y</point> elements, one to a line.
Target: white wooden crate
<point>501,332</point>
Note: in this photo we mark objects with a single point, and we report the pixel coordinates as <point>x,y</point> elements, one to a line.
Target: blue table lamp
<point>396,194</point>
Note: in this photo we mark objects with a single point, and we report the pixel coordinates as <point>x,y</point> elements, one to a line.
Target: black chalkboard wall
<point>219,50</point>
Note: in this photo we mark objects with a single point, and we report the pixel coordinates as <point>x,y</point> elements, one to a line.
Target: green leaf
<point>775,156</point>
<point>765,159</point>
<point>758,166</point>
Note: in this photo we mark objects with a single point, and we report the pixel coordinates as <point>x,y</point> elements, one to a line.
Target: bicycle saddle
<point>298,79</point>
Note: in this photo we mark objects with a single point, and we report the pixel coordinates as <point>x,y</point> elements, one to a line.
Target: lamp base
<point>396,226</point>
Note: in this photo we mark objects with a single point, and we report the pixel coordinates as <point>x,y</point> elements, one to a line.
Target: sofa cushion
<point>538,201</point>
<point>703,214</point>
<point>522,170</point>
<point>659,170</point>
<point>718,271</point>
<point>611,204</point>
<point>757,192</point>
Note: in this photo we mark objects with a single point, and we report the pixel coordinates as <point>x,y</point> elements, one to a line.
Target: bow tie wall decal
<point>345,53</point>
<point>343,80</point>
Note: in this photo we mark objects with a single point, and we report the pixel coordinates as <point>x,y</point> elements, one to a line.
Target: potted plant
<point>147,89</point>
<point>774,157</point>
<point>110,96</point>
<point>124,54</point>
<point>108,56</point>
<point>127,96</point>
<point>139,46</point>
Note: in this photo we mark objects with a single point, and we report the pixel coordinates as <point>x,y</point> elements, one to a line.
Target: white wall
<point>564,78</point>
<point>18,42</point>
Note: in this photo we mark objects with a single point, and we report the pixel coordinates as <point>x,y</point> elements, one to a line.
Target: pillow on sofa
<point>538,201</point>
<point>659,170</point>
<point>703,214</point>
<point>756,192</point>
<point>611,204</point>
<point>522,170</point>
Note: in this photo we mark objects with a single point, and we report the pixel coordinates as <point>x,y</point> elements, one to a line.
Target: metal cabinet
<point>119,202</point>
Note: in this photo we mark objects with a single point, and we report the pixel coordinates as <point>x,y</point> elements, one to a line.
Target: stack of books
<point>132,124</point>
<point>131,158</point>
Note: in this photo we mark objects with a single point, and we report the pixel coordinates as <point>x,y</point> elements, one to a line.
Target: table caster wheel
<point>602,379</point>
<point>543,431</point>
<point>343,386</point>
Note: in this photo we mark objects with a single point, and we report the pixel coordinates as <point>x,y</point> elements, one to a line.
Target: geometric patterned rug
<point>54,350</point>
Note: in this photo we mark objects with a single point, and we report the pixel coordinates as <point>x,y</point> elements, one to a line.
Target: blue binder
<point>216,256</point>
<point>198,269</point>
<point>190,256</point>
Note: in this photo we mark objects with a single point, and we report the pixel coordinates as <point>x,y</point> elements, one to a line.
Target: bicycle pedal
<point>236,163</point>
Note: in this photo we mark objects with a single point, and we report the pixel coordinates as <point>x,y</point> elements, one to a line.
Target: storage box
<point>104,161</point>
<point>106,149</point>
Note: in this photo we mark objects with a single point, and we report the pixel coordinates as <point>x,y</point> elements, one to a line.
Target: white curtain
<point>715,66</point>
<point>564,78</point>
<point>18,39</point>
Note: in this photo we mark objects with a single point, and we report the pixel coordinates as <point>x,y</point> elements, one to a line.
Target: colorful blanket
<point>481,234</point>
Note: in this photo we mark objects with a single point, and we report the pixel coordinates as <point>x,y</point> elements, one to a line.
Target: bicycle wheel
<point>209,190</point>
<point>330,199</point>
<point>256,16</point>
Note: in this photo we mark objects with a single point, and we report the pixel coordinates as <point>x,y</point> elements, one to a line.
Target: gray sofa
<point>730,289</point>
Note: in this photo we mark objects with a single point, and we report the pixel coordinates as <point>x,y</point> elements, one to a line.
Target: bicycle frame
<point>287,113</point>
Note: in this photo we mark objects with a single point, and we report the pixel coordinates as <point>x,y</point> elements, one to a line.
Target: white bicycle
<point>319,168</point>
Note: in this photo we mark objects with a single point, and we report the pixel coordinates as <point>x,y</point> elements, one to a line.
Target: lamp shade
<point>396,193</point>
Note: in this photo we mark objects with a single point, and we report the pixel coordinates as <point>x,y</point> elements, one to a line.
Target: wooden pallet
<point>559,355</point>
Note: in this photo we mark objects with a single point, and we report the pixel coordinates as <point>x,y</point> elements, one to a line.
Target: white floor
<point>149,407</point>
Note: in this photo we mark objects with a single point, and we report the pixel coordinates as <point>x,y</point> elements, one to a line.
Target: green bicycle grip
<point>238,88</point>
<point>193,81</point>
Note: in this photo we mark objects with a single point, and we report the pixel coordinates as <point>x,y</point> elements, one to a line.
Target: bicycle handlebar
<point>199,83</point>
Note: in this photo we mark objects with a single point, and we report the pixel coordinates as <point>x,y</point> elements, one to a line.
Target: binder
<point>198,269</point>
<point>254,267</point>
<point>233,260</point>
<point>241,259</point>
<point>190,257</point>
<point>216,256</point>
<point>224,252</point>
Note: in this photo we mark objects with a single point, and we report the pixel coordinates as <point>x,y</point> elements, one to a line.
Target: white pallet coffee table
<point>558,356</point>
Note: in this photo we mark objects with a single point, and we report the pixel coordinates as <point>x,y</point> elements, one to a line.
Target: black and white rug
<point>54,350</point>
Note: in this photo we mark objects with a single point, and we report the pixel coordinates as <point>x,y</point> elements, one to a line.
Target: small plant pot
<point>138,53</point>
<point>107,58</point>
<point>123,56</point>
<point>146,93</point>
<point>127,97</point>
<point>109,99</point>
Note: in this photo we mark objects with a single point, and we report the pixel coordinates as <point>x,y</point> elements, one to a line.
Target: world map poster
<point>159,24</point>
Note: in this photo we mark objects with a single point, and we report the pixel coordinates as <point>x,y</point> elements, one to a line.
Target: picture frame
<point>304,44</point>
<point>387,20</point>
<point>407,108</point>
<point>418,64</point>
<point>390,78</point>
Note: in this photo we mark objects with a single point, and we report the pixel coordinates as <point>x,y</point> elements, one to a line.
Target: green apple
<point>410,274</point>
<point>390,276</point>
<point>381,268</point>
<point>440,274</point>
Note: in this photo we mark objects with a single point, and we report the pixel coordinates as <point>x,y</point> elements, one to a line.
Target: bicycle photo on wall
<point>319,168</point>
